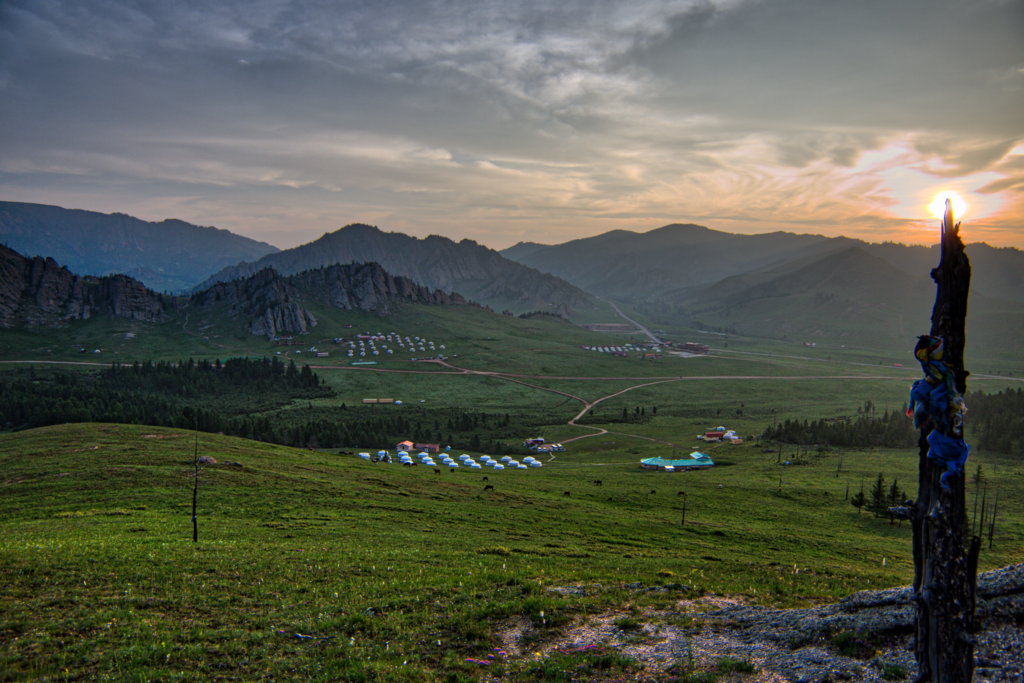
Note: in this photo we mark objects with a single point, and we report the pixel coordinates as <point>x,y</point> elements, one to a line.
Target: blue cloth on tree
<point>948,451</point>
<point>935,398</point>
<point>929,401</point>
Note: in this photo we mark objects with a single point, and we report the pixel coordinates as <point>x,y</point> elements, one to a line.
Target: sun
<point>938,205</point>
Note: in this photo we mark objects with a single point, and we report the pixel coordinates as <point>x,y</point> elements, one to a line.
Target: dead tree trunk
<point>944,574</point>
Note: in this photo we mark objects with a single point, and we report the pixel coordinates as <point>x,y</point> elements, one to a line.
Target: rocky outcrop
<point>283,317</point>
<point>40,292</point>
<point>368,287</point>
<point>268,298</point>
<point>867,636</point>
<point>274,301</point>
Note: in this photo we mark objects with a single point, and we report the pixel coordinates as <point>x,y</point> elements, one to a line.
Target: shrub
<point>729,665</point>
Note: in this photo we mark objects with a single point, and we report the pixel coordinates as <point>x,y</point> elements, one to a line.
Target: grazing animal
<point>653,492</point>
<point>452,469</point>
<point>437,471</point>
<point>597,482</point>
<point>566,493</point>
<point>406,464</point>
<point>489,487</point>
<point>485,478</point>
<point>681,493</point>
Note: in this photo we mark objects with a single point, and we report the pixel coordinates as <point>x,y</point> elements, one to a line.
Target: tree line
<point>261,399</point>
<point>996,421</point>
<point>216,397</point>
<point>890,430</point>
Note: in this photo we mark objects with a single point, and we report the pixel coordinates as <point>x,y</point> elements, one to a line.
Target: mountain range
<point>636,266</point>
<point>170,255</point>
<point>436,262</point>
<point>780,285</point>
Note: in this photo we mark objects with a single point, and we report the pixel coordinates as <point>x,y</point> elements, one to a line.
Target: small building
<point>369,400</point>
<point>428,447</point>
<point>714,435</point>
<point>696,461</point>
<point>405,446</point>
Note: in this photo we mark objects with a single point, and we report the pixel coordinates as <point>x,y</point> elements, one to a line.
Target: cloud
<point>558,118</point>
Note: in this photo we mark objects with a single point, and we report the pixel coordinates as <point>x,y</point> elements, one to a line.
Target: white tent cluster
<point>506,462</point>
<point>464,460</point>
<point>613,349</point>
<point>379,343</point>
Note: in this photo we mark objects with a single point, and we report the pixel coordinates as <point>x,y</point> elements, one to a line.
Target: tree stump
<point>945,575</point>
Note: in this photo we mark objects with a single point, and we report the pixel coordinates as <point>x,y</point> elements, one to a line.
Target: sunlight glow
<point>938,205</point>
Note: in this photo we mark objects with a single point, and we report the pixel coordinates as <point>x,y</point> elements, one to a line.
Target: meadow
<point>319,566</point>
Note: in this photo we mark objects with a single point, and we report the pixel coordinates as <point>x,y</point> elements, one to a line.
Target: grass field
<point>322,567</point>
<point>313,566</point>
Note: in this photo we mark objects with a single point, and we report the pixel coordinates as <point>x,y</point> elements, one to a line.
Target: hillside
<point>167,255</point>
<point>996,272</point>
<point>436,262</point>
<point>312,565</point>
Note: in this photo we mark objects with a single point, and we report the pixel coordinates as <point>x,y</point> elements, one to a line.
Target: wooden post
<point>944,575</point>
<point>195,487</point>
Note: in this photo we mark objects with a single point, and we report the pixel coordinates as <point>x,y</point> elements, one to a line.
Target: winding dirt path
<point>589,405</point>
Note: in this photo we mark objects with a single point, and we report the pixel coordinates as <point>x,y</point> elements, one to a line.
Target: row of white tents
<point>507,462</point>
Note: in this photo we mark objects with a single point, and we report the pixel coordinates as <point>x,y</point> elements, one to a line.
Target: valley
<point>315,564</point>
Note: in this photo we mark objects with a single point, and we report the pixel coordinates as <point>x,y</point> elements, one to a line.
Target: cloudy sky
<point>539,120</point>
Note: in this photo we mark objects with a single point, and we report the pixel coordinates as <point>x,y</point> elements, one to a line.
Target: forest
<point>995,422</point>
<point>890,430</point>
<point>251,398</point>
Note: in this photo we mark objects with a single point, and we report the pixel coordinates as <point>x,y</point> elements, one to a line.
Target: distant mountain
<point>641,266</point>
<point>628,265</point>
<point>169,255</point>
<point>39,292</point>
<point>436,262</point>
<point>274,302</point>
<point>849,296</point>
<point>997,272</point>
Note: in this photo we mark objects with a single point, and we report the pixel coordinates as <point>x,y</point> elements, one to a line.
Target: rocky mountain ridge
<point>40,292</point>
<point>436,262</point>
<point>275,302</point>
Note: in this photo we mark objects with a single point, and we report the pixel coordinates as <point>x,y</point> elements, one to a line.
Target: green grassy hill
<point>314,566</point>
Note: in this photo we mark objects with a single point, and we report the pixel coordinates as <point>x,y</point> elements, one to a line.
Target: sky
<point>529,120</point>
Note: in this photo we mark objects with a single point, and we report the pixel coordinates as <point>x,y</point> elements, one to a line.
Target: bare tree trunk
<point>944,575</point>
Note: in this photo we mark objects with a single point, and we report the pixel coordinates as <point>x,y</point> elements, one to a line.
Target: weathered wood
<point>944,575</point>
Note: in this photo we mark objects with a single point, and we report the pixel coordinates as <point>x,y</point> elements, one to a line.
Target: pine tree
<point>878,496</point>
<point>858,501</point>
